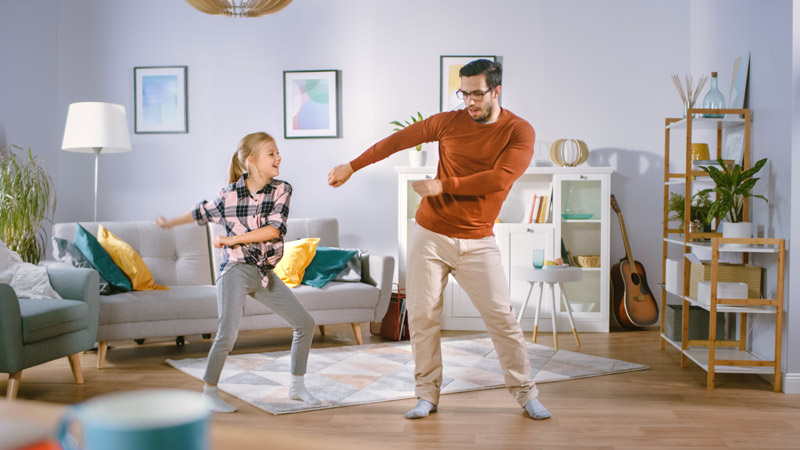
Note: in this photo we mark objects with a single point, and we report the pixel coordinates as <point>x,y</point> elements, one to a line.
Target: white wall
<point>793,314</point>
<point>721,31</point>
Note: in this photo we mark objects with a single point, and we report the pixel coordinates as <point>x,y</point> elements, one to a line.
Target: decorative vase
<point>737,230</point>
<point>569,152</point>
<point>417,158</point>
<point>714,98</point>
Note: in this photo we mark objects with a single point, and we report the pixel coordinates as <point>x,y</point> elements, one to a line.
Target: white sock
<point>214,402</point>
<point>536,410</point>
<point>298,391</point>
<point>422,409</point>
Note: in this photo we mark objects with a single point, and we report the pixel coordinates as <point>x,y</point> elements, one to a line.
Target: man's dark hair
<point>492,70</point>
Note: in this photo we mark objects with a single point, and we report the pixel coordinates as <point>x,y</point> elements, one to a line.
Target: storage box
<point>673,279</point>
<point>743,273</point>
<point>698,323</point>
<point>724,290</point>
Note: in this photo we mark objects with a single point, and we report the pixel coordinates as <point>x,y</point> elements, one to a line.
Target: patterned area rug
<point>354,375</point>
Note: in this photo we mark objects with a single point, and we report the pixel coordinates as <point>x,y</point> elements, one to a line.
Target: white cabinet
<point>580,216</point>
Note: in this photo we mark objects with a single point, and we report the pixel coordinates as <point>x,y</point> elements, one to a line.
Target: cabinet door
<point>582,230</point>
<point>408,202</point>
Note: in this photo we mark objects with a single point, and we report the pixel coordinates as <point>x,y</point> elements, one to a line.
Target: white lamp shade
<point>93,125</point>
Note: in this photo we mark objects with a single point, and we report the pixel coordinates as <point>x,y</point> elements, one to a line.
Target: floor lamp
<point>95,127</point>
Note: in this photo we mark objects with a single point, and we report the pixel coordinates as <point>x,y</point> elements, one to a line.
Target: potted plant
<point>27,198</point>
<point>416,159</point>
<point>701,206</point>
<point>732,186</point>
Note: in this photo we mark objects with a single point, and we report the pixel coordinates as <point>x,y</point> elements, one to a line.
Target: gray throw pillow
<point>66,252</point>
<point>352,271</point>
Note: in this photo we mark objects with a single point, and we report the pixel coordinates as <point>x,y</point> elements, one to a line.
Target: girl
<point>253,209</point>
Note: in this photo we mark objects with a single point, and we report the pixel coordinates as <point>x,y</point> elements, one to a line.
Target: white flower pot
<point>737,230</point>
<point>417,158</point>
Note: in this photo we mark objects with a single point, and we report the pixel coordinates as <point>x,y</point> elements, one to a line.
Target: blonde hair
<point>246,147</point>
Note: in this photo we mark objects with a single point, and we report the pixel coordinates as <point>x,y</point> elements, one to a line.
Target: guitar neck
<point>628,252</point>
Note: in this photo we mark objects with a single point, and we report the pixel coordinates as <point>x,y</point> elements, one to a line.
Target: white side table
<point>548,276</point>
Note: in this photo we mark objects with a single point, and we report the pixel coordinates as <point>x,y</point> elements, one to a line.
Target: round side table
<point>549,277</point>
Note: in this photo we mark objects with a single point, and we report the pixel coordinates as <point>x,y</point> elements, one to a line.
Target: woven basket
<point>698,323</point>
<point>739,273</point>
<point>587,260</point>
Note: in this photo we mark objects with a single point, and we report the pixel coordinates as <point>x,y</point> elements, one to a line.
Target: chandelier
<point>239,8</point>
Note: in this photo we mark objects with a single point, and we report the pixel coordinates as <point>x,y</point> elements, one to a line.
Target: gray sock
<point>422,409</point>
<point>298,391</point>
<point>536,410</point>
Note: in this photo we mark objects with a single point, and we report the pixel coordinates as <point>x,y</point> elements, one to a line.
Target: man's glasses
<point>477,95</point>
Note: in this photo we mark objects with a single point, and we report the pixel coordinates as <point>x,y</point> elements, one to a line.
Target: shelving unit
<point>723,356</point>
<point>590,187</point>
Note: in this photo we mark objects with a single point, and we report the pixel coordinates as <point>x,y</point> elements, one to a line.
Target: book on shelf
<point>529,210</point>
<point>542,214</point>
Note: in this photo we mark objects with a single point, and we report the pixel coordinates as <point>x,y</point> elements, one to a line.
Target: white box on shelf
<point>724,290</point>
<point>674,277</point>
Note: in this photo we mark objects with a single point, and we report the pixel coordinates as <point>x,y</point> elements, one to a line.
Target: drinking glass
<point>538,258</point>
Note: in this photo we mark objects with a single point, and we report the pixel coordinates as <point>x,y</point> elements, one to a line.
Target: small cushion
<point>26,279</point>
<point>100,259</point>
<point>327,263</point>
<point>352,271</point>
<point>65,251</point>
<point>297,255</point>
<point>128,260</point>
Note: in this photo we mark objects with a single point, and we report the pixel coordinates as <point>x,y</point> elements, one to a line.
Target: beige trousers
<point>476,266</point>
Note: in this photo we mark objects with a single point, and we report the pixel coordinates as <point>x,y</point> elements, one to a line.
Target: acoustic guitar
<point>633,303</point>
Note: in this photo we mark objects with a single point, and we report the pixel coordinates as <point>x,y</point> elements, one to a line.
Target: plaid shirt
<point>239,212</point>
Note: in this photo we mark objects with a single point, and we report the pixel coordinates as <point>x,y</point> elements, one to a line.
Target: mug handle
<point>65,438</point>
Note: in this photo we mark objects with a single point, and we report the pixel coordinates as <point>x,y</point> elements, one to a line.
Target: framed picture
<point>739,82</point>
<point>311,104</point>
<point>734,146</point>
<point>450,81</point>
<point>160,99</point>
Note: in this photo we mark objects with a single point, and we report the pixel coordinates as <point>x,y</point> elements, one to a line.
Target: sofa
<point>183,259</point>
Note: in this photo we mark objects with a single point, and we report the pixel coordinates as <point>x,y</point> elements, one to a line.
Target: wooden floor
<point>664,407</point>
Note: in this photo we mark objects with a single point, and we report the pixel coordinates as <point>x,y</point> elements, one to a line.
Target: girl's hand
<point>223,241</point>
<point>161,222</point>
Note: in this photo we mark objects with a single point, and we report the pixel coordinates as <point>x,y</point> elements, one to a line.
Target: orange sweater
<point>478,163</point>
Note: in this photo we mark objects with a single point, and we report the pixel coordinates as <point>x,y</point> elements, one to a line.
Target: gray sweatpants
<point>232,289</point>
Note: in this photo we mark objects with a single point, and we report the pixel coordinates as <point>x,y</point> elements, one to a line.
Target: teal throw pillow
<point>327,263</point>
<point>100,259</point>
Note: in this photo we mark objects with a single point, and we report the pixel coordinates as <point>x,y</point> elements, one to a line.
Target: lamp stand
<point>97,151</point>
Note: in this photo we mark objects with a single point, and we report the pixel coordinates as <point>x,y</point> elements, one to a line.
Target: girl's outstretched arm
<point>263,234</point>
<point>162,222</point>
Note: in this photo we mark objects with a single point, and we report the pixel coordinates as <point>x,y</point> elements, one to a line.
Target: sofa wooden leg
<point>75,365</point>
<point>102,348</point>
<point>13,385</point>
<point>322,330</point>
<point>357,332</point>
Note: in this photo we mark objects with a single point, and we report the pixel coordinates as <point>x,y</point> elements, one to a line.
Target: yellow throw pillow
<point>128,260</point>
<point>297,255</point>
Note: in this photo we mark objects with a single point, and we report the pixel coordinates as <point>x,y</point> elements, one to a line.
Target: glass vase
<point>714,98</point>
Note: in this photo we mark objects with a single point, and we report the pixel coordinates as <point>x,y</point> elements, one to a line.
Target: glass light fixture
<point>239,8</point>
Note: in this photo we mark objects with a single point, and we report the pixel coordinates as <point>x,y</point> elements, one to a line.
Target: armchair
<point>35,331</point>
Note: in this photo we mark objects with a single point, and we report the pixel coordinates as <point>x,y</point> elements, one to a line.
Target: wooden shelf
<point>708,123</point>
<point>763,309</point>
<point>700,357</point>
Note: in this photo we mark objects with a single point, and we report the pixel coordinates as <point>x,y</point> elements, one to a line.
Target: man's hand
<point>339,175</point>
<point>427,188</point>
<point>223,241</point>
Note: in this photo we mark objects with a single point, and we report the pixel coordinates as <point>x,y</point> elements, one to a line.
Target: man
<point>483,149</point>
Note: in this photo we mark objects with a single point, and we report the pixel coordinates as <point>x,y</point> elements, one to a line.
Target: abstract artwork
<point>311,104</point>
<point>160,99</point>
<point>450,81</point>
<point>739,83</point>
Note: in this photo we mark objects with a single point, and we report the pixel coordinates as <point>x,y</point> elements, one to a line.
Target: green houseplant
<point>701,207</point>
<point>732,186</point>
<point>27,198</point>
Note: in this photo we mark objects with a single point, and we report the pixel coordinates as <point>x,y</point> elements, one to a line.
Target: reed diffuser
<point>690,92</point>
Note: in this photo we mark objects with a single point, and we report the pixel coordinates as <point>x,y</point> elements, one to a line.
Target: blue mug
<point>152,419</point>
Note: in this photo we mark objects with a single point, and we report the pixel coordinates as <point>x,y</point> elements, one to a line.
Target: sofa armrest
<point>75,283</point>
<point>47,263</point>
<point>378,270</point>
<point>10,330</point>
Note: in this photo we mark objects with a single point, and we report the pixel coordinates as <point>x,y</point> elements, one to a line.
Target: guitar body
<point>632,301</point>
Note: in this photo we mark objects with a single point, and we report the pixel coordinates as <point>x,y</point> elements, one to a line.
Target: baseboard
<point>791,383</point>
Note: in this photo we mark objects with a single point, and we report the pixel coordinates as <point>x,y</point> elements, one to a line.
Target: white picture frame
<point>160,100</point>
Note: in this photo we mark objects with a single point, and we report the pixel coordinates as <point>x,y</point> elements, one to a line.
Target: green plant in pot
<point>701,206</point>
<point>732,187</point>
<point>417,159</point>
<point>27,198</point>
